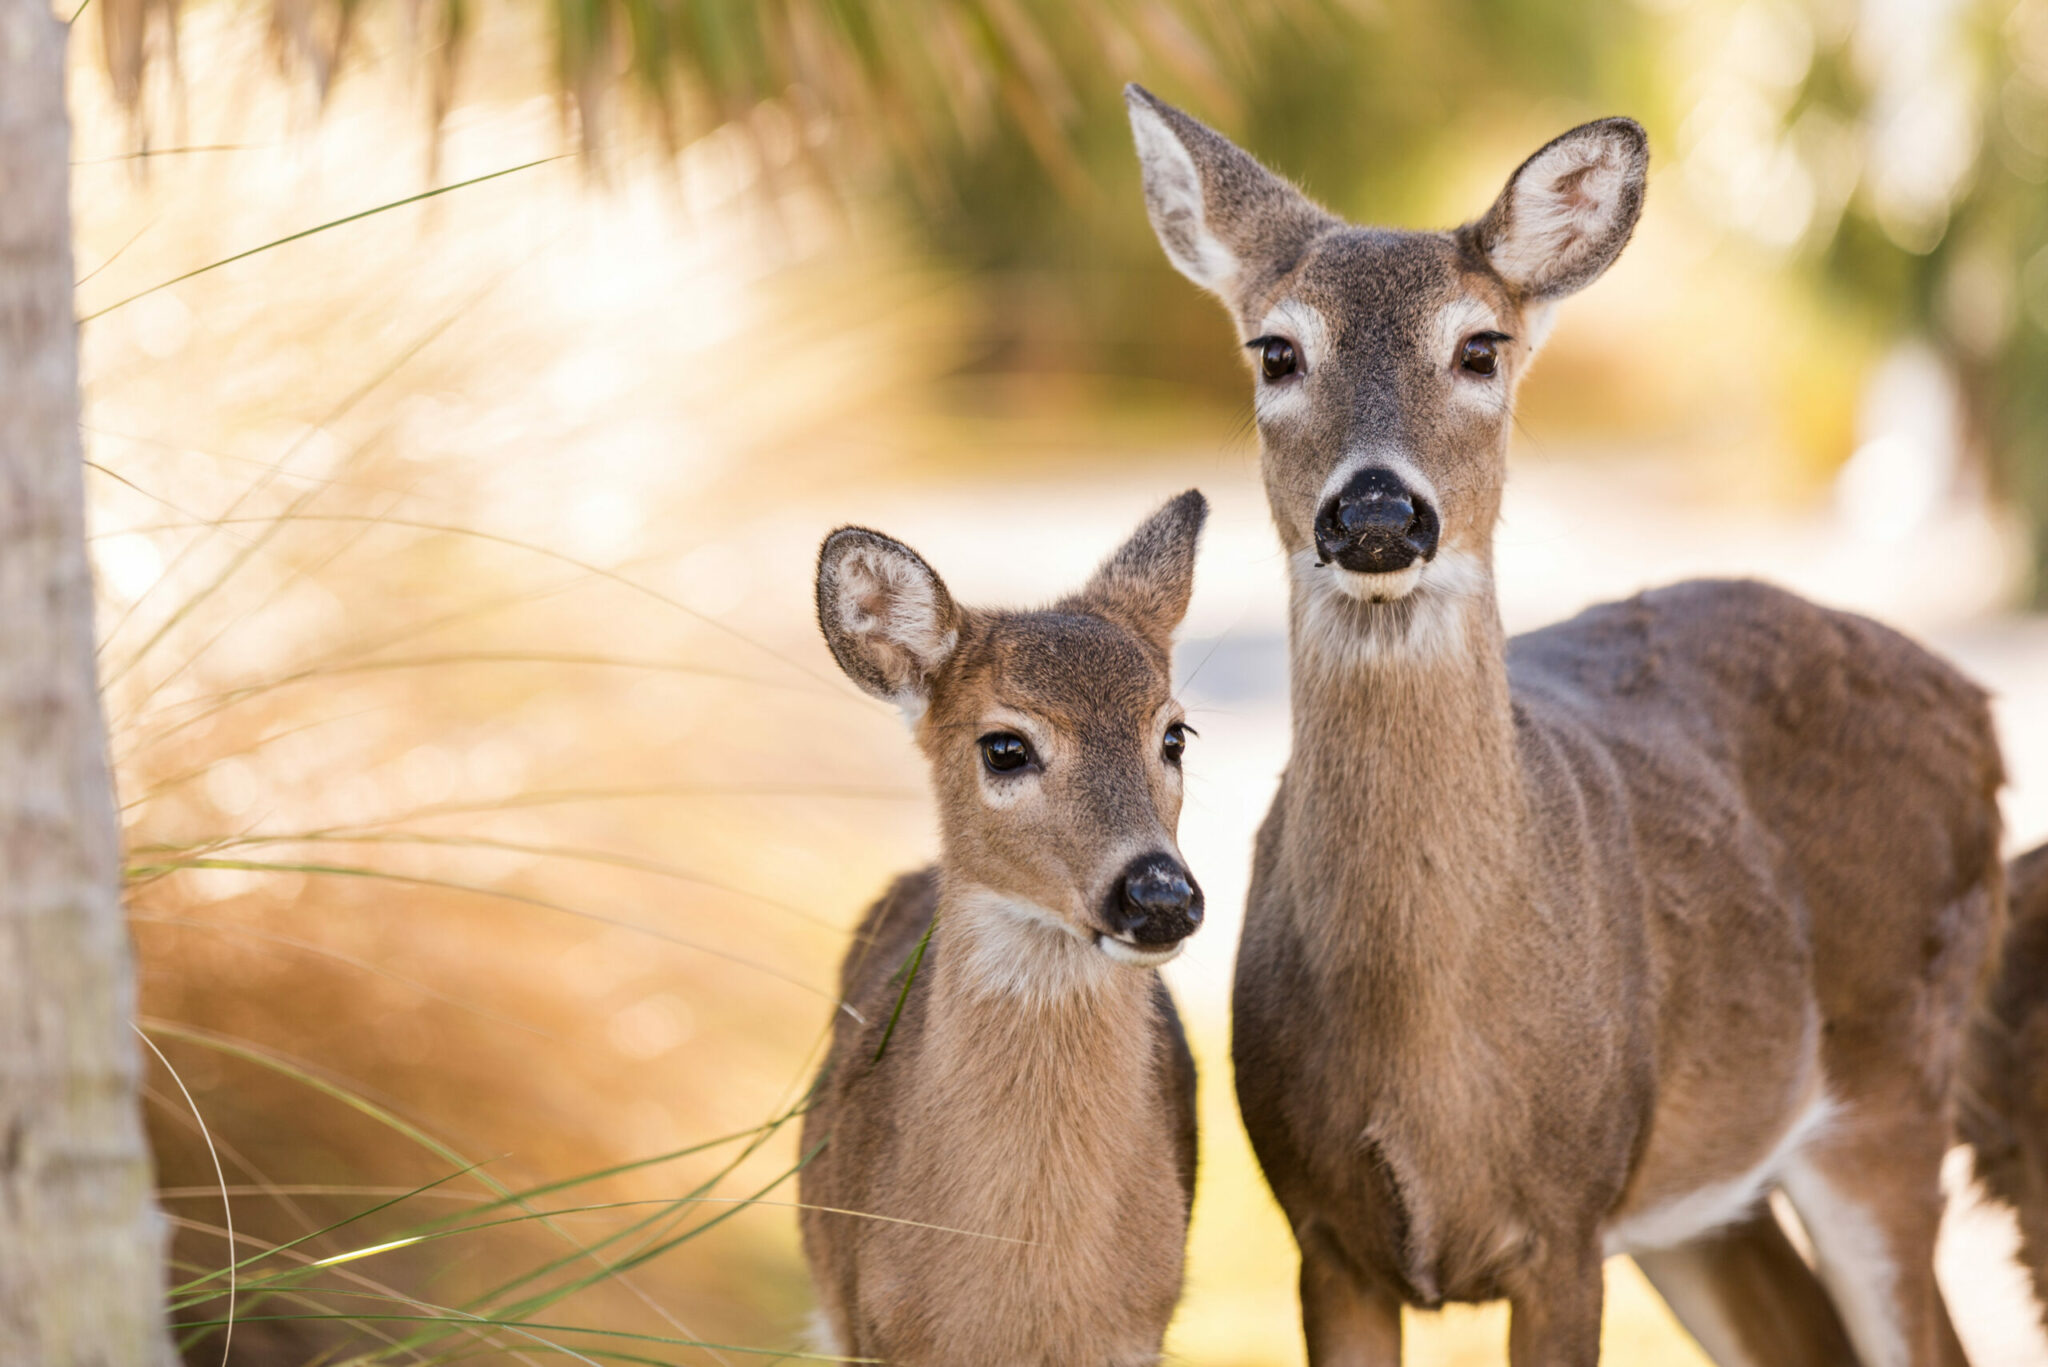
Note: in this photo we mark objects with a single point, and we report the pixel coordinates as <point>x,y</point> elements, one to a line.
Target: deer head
<point>1053,737</point>
<point>1384,363</point>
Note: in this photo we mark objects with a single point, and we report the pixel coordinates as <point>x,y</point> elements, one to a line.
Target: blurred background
<point>469,383</point>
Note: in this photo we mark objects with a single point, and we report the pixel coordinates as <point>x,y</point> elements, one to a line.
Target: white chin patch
<point>1377,588</point>
<point>1124,952</point>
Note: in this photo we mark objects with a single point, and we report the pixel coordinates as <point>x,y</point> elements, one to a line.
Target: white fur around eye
<point>1005,791</point>
<point>1455,322</point>
<point>1309,331</point>
<point>1002,792</point>
<point>1300,324</point>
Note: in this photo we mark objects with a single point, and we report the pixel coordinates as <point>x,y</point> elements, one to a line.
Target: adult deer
<point>1580,943</point>
<point>1020,1114</point>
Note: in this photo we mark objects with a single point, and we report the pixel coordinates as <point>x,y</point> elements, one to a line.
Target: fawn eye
<point>1004,752</point>
<point>1175,743</point>
<point>1481,352</point>
<point>1276,357</point>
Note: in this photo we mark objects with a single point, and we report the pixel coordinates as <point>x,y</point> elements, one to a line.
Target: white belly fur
<point>1717,1204</point>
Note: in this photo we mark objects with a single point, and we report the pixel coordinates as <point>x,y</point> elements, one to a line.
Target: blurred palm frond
<point>896,84</point>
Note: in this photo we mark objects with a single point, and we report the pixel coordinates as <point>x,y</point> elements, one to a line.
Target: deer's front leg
<point>1347,1321</point>
<point>1555,1322</point>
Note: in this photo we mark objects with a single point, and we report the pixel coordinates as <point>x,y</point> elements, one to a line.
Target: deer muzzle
<point>1376,524</point>
<point>1153,906</point>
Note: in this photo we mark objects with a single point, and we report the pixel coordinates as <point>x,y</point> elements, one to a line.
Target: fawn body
<point>1581,943</point>
<point>1028,1133</point>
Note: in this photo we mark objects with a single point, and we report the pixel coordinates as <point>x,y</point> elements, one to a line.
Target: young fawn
<point>1581,943</point>
<point>1025,1128</point>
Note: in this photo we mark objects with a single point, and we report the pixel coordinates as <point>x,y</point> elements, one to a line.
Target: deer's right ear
<point>1218,213</point>
<point>886,614</point>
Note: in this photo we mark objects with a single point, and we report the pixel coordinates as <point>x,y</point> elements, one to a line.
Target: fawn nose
<point>1155,903</point>
<point>1376,524</point>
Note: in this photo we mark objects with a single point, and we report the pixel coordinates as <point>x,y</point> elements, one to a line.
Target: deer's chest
<point>1441,1152</point>
<point>1031,1259</point>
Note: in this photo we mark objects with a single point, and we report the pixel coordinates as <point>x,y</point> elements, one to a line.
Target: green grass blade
<point>908,972</point>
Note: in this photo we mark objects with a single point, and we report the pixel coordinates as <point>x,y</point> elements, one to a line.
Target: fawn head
<point>1054,740</point>
<point>1385,362</point>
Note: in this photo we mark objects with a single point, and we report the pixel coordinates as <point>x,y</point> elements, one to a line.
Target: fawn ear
<point>1567,211</point>
<point>1146,584</point>
<point>1220,215</point>
<point>886,614</point>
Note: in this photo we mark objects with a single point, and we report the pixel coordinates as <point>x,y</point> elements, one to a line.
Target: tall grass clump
<point>486,868</point>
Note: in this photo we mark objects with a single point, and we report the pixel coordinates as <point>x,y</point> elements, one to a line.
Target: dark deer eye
<point>1175,743</point>
<point>1481,352</point>
<point>1276,357</point>
<point>1005,752</point>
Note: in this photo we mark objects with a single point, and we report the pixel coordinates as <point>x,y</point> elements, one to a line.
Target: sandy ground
<point>1573,534</point>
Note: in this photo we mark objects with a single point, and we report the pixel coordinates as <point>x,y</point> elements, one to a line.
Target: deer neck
<point>1010,972</point>
<point>1041,1053</point>
<point>1403,806</point>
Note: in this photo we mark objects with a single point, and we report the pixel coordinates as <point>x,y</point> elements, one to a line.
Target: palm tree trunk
<point>81,1244</point>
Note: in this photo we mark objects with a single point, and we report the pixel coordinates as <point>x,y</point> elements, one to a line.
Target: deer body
<point>1064,1129</point>
<point>1580,943</point>
<point>1596,995</point>
<point>1024,1130</point>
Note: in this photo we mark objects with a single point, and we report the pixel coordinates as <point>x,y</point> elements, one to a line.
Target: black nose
<point>1156,902</point>
<point>1376,524</point>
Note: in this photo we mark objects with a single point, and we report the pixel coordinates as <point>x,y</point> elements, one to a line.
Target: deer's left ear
<point>1147,583</point>
<point>1568,211</point>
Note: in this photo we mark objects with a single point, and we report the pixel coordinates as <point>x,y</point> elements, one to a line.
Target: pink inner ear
<point>891,603</point>
<point>868,601</point>
<point>1570,188</point>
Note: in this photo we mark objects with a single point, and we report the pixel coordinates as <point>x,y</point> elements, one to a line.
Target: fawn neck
<point>1006,967</point>
<point>1016,1010</point>
<point>1404,795</point>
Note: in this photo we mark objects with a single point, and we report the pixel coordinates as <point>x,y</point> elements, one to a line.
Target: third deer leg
<point>1556,1321</point>
<point>1749,1299</point>
<point>1347,1321</point>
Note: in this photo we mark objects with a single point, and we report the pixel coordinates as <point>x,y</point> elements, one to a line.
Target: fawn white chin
<point>1022,1130</point>
<point>1588,940</point>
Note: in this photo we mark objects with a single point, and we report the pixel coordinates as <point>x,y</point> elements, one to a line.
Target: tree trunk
<point>81,1244</point>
